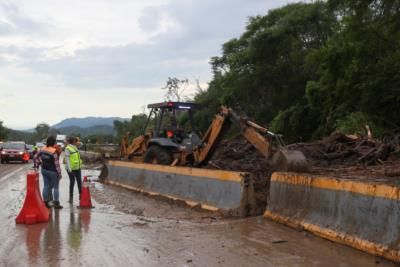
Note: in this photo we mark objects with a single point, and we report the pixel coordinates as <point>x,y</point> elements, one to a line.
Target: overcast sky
<point>70,58</point>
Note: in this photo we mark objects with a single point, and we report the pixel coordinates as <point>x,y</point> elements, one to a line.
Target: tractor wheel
<point>158,155</point>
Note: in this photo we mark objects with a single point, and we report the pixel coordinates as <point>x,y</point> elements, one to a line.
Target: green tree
<point>98,139</point>
<point>53,131</point>
<point>27,137</point>
<point>3,131</point>
<point>135,127</point>
<point>308,69</point>
<point>263,72</point>
<point>42,130</point>
<point>358,69</point>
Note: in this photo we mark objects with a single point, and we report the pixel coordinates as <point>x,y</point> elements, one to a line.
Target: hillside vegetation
<point>307,70</point>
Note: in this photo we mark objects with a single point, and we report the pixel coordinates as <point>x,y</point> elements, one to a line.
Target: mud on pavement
<point>181,236</point>
<point>128,229</point>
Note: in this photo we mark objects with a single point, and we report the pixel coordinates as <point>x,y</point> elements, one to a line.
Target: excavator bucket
<point>289,161</point>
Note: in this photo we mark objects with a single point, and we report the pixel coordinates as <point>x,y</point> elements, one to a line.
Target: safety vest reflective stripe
<point>75,161</point>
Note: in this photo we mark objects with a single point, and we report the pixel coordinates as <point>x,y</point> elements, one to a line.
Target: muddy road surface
<point>128,229</point>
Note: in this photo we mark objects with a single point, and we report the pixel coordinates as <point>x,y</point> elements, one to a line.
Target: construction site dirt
<point>339,156</point>
<point>126,228</point>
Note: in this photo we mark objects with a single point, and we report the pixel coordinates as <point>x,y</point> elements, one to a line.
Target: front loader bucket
<point>290,161</point>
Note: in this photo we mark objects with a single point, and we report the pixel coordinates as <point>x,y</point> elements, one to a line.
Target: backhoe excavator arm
<point>212,137</point>
<point>251,131</point>
<point>258,136</point>
<point>137,146</point>
<point>220,124</point>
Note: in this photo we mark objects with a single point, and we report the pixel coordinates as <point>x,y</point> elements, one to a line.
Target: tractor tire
<point>158,155</point>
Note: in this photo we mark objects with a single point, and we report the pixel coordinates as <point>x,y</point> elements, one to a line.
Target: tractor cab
<point>167,135</point>
<point>164,118</point>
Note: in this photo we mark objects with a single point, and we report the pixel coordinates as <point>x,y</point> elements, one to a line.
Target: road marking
<point>5,177</point>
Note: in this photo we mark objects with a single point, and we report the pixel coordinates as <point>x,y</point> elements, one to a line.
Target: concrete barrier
<point>365,216</point>
<point>209,189</point>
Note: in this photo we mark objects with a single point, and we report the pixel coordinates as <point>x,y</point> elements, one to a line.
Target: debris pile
<point>240,155</point>
<point>352,155</point>
<point>345,150</point>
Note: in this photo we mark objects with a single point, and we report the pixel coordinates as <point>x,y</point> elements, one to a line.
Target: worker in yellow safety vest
<point>73,165</point>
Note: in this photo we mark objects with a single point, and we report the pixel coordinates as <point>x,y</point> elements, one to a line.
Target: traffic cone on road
<point>34,209</point>
<point>25,157</point>
<point>85,201</point>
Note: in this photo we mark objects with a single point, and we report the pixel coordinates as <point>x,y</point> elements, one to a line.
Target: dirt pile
<point>338,155</point>
<point>240,155</point>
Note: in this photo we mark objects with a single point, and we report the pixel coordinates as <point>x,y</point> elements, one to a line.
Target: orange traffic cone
<point>25,157</point>
<point>34,209</point>
<point>85,201</point>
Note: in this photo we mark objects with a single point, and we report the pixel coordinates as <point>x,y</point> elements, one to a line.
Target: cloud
<point>13,22</point>
<point>150,21</point>
<point>116,53</point>
<point>195,32</point>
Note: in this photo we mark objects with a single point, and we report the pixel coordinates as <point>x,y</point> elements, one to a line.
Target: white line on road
<point>5,177</point>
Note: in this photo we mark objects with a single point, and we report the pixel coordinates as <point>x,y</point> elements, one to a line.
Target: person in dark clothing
<point>73,164</point>
<point>48,158</point>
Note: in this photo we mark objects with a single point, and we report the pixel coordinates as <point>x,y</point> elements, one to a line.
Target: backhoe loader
<point>168,144</point>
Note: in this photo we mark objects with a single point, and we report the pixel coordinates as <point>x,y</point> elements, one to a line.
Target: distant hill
<point>87,122</point>
<point>83,132</point>
<point>15,135</point>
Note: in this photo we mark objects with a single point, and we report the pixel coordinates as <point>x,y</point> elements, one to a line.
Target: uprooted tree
<point>175,89</point>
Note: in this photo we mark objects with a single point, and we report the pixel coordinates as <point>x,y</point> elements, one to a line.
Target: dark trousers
<point>75,175</point>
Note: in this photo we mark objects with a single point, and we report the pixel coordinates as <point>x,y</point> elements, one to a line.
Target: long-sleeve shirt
<point>48,158</point>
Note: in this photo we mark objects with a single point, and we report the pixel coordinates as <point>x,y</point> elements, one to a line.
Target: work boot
<point>47,203</point>
<point>57,205</point>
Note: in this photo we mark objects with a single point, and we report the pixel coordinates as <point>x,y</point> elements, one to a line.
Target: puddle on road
<point>130,229</point>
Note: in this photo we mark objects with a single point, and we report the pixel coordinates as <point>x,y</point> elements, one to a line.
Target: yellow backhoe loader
<point>168,144</point>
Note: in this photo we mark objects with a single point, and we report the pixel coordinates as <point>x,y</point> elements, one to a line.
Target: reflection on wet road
<point>126,229</point>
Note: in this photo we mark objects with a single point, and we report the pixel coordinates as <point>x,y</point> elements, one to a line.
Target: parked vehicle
<point>61,139</point>
<point>39,145</point>
<point>14,151</point>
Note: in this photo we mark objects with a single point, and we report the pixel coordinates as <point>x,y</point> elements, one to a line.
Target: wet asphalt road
<point>127,229</point>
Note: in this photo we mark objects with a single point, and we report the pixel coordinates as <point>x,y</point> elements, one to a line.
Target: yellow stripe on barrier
<point>369,189</point>
<point>206,173</point>
<point>353,241</point>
